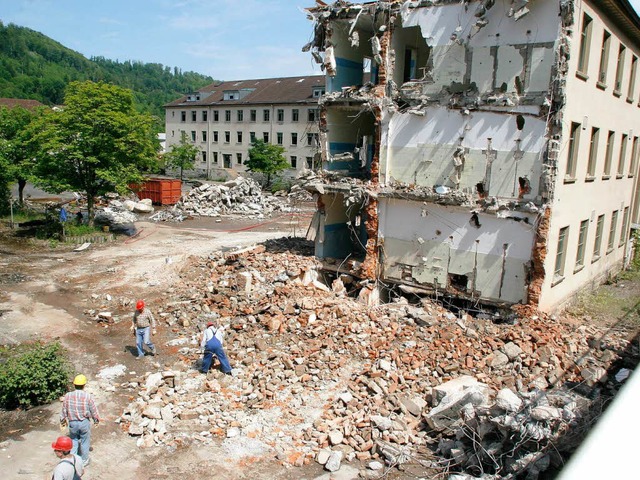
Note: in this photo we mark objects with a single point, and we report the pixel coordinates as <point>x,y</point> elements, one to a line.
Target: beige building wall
<point>597,103</point>
<point>223,135</point>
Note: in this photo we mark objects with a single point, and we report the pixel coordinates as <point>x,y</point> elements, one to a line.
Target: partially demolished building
<point>486,150</point>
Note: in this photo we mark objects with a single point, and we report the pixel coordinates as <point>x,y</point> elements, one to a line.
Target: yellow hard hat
<point>80,380</point>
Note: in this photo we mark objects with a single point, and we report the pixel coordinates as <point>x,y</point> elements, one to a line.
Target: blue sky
<point>227,39</point>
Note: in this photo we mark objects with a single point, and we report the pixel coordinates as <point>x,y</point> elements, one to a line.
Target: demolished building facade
<point>486,150</point>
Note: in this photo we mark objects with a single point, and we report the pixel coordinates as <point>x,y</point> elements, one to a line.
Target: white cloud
<point>110,21</point>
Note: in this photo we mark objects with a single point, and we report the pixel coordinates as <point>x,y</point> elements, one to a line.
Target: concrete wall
<point>425,244</point>
<point>420,150</point>
<point>580,197</point>
<point>492,56</point>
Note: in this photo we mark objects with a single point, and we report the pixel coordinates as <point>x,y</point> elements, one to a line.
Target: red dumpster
<point>161,191</point>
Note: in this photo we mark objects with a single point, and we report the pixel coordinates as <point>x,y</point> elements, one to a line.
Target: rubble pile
<point>319,375</point>
<point>241,196</point>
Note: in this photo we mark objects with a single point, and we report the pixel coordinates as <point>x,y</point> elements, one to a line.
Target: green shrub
<point>73,230</point>
<point>32,374</point>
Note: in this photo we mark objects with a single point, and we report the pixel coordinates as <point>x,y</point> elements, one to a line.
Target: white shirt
<point>64,469</point>
<point>209,333</point>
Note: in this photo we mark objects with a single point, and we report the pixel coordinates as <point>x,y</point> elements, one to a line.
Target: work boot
<point>153,350</point>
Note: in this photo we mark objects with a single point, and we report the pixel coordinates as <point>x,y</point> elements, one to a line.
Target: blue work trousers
<point>80,433</point>
<point>142,336</point>
<point>215,347</point>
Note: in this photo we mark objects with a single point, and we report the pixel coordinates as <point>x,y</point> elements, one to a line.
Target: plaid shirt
<point>144,319</point>
<point>77,406</point>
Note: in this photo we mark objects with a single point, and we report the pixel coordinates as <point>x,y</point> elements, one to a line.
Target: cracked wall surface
<point>458,108</point>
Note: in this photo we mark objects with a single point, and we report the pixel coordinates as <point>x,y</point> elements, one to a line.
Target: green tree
<point>5,177</point>
<point>96,144</point>
<point>17,150</point>
<point>182,155</point>
<point>267,159</point>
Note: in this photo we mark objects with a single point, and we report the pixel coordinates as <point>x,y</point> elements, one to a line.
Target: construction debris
<point>320,376</point>
<point>241,196</point>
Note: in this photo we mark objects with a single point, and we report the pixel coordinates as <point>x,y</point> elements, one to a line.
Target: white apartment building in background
<point>223,119</point>
<point>501,146</point>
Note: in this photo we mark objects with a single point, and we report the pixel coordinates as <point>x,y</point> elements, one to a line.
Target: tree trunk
<point>90,208</point>
<point>180,173</point>
<point>268,180</point>
<point>21,184</point>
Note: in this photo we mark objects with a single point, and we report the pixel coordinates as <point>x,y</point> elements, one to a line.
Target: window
<point>204,135</point>
<point>312,139</point>
<point>215,157</point>
<point>193,135</point>
<point>625,225</point>
<point>608,158</point>
<point>226,159</point>
<point>239,158</point>
<point>318,92</point>
<point>623,155</point>
<point>612,231</point>
<point>240,115</point>
<point>231,95</point>
<point>279,138</point>
<point>252,115</point>
<point>227,137</point>
<point>280,115</point>
<point>194,115</point>
<point>312,114</point>
<point>266,115</point>
<point>310,163</point>
<point>252,137</point>
<point>634,157</point>
<point>204,115</point>
<point>215,136</point>
<point>572,157</point>
<point>597,244</point>
<point>294,139</point>
<point>593,153</point>
<point>216,116</point>
<point>558,271</point>
<point>227,115</point>
<point>294,161</point>
<point>619,71</point>
<point>582,240</point>
<point>295,115</point>
<point>604,59</point>
<point>585,40</point>
<point>265,137</point>
<point>183,116</point>
<point>632,79</point>
<point>204,157</point>
<point>239,134</point>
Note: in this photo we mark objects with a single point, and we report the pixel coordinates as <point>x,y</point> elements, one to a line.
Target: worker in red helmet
<point>143,322</point>
<point>70,466</point>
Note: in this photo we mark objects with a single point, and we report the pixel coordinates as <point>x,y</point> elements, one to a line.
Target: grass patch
<point>75,230</point>
<point>21,216</point>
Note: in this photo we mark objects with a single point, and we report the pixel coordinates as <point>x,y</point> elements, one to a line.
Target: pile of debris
<point>319,375</point>
<point>241,196</point>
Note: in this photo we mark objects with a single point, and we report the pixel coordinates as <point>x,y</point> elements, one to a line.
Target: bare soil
<point>44,293</point>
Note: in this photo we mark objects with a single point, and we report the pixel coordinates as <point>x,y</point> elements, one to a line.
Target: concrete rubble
<point>318,376</point>
<point>241,196</point>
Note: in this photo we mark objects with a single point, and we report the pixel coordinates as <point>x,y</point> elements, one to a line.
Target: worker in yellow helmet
<point>78,410</point>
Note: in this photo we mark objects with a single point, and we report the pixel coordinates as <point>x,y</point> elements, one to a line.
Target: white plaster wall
<point>581,200</point>
<point>438,23</point>
<point>542,60</point>
<point>448,66</point>
<point>482,69</point>
<point>437,240</point>
<point>510,65</point>
<point>420,150</point>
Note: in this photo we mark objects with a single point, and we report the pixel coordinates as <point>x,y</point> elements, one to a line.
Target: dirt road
<point>45,294</point>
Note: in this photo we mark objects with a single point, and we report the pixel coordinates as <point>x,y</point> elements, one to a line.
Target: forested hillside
<point>34,66</point>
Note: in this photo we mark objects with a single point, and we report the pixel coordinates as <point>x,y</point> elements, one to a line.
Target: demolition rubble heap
<point>241,196</point>
<point>319,376</point>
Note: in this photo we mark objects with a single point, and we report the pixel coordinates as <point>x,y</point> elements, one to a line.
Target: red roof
<point>20,102</point>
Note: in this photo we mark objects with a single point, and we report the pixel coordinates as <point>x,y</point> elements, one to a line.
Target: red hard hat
<point>140,305</point>
<point>63,444</point>
<point>210,324</point>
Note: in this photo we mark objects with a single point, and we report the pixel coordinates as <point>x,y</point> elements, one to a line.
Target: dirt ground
<point>44,293</point>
